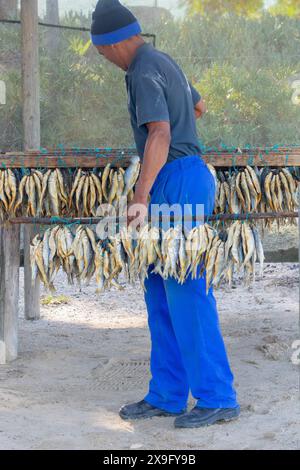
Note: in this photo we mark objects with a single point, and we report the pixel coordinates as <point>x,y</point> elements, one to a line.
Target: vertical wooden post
<point>9,289</point>
<point>9,267</point>
<point>31,126</point>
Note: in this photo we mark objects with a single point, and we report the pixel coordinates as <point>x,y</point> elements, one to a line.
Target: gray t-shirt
<point>158,90</point>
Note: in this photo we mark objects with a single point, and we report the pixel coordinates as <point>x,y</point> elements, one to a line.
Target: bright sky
<point>87,5</point>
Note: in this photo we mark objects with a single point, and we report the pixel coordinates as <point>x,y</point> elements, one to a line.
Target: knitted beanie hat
<point>112,23</point>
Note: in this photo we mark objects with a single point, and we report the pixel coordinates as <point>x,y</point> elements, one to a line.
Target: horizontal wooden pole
<point>61,150</point>
<point>86,158</point>
<point>67,161</point>
<point>77,151</point>
<point>96,220</point>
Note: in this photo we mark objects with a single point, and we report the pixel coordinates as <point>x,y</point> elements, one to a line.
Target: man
<point>188,352</point>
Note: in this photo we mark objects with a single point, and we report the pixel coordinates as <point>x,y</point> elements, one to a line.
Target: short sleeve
<point>150,98</point>
<point>195,95</point>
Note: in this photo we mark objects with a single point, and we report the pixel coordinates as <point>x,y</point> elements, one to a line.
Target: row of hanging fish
<point>237,249</point>
<point>248,190</point>
<point>81,193</point>
<point>65,192</point>
<point>173,253</point>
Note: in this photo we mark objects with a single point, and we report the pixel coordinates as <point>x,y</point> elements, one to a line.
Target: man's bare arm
<point>155,156</point>
<point>200,109</point>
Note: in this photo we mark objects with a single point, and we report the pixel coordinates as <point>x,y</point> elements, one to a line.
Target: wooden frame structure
<point>10,231</point>
<point>99,157</point>
<point>68,158</point>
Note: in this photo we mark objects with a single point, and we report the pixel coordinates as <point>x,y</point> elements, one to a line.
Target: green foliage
<point>244,68</point>
<point>85,99</point>
<point>249,104</point>
<point>219,7</point>
<point>11,113</point>
<point>51,300</point>
<point>286,8</point>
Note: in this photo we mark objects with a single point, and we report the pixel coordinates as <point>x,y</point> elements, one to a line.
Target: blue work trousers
<point>187,348</point>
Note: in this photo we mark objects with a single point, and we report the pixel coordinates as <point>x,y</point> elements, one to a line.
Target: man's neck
<point>134,45</point>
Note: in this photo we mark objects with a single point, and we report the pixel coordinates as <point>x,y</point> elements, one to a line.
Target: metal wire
<point>96,220</point>
<point>72,28</point>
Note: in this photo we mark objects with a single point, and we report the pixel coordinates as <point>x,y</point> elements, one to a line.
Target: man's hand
<point>200,109</point>
<point>137,212</point>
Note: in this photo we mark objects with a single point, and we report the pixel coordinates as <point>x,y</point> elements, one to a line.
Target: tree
<point>240,7</point>
<point>286,8</point>
<point>8,9</point>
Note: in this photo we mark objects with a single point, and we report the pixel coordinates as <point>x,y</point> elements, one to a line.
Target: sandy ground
<point>83,360</point>
<point>287,237</point>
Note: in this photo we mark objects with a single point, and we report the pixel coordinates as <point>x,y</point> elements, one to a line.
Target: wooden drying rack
<point>96,158</point>
<point>99,157</point>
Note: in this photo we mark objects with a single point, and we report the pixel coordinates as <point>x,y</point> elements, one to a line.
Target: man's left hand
<point>137,212</point>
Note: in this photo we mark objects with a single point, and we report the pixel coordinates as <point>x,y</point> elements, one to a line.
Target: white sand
<point>283,239</point>
<point>83,360</point>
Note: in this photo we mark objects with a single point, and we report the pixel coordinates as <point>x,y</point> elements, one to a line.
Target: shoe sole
<point>213,420</point>
<point>160,415</point>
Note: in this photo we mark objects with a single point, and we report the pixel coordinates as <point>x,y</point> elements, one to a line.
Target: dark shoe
<point>198,417</point>
<point>143,410</point>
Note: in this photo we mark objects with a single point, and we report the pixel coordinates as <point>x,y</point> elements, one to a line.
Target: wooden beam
<point>31,126</point>
<point>63,150</point>
<point>9,288</point>
<point>69,161</point>
<point>100,159</point>
<point>30,72</point>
